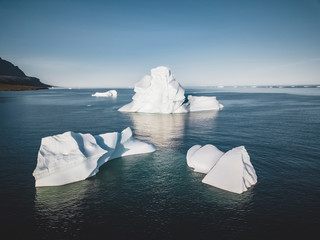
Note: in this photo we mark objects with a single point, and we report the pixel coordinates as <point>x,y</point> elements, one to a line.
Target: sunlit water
<point>156,195</point>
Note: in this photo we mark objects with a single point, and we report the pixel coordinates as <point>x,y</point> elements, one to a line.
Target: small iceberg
<point>202,159</point>
<point>72,157</point>
<point>231,171</point>
<point>197,104</point>
<point>110,93</point>
<point>161,93</point>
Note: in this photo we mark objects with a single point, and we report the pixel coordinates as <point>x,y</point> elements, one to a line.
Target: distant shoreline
<point>10,87</point>
<point>12,78</point>
<point>16,83</point>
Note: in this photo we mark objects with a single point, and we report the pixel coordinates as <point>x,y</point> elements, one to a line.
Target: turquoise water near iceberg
<point>156,195</point>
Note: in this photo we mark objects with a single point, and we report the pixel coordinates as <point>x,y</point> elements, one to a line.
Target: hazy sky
<point>114,43</point>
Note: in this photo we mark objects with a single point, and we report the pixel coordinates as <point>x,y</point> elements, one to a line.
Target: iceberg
<point>202,159</point>
<point>231,171</point>
<point>72,157</point>
<point>110,93</point>
<point>201,103</point>
<point>161,93</point>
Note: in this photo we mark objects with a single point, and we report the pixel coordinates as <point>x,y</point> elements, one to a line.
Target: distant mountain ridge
<point>8,69</point>
<point>12,78</point>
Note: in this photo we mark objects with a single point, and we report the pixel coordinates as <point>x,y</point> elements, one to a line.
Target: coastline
<point>16,83</point>
<point>10,87</point>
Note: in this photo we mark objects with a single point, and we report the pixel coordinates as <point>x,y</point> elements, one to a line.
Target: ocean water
<point>156,195</point>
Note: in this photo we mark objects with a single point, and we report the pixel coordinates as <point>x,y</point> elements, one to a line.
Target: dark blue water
<point>156,196</point>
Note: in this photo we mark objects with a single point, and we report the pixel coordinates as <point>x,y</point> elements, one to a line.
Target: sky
<point>114,43</point>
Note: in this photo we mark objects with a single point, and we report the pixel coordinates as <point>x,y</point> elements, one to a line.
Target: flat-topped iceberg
<point>231,171</point>
<point>110,93</point>
<point>161,93</point>
<point>202,103</point>
<point>72,157</point>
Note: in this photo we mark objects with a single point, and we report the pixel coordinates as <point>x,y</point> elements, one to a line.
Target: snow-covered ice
<point>202,103</point>
<point>231,171</point>
<point>72,157</point>
<point>202,159</point>
<point>161,93</point>
<point>157,93</point>
<point>110,93</point>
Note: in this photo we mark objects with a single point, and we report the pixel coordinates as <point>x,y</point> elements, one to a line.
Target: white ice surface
<point>161,93</point>
<point>202,159</point>
<point>72,157</point>
<point>201,103</point>
<point>231,171</point>
<point>110,93</point>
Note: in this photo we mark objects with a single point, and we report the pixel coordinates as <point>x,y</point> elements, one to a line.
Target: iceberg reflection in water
<point>168,130</point>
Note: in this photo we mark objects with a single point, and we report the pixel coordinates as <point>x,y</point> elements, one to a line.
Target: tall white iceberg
<point>231,171</point>
<point>72,157</point>
<point>161,93</point>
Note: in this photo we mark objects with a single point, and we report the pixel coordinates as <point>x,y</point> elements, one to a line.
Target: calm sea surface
<point>156,195</point>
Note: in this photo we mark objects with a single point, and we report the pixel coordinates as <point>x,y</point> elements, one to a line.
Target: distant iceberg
<point>161,93</point>
<point>110,93</point>
<point>72,157</point>
<point>231,171</point>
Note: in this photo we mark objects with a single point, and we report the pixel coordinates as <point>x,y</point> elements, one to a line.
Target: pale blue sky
<point>115,43</point>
